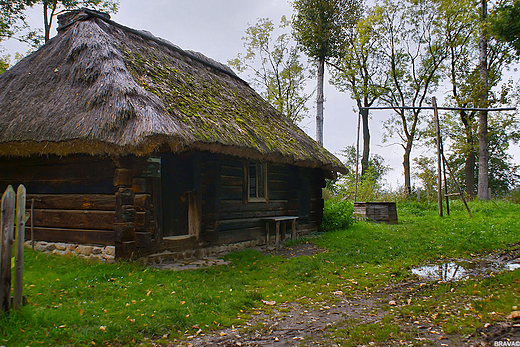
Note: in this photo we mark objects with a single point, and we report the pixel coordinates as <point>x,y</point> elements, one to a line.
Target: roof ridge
<point>149,36</point>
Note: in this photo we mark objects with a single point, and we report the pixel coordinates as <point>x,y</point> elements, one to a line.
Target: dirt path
<point>311,322</point>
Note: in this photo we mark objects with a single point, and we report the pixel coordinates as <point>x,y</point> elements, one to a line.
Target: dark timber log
<point>80,219</point>
<point>73,201</point>
<point>124,232</point>
<point>143,221</point>
<point>123,178</point>
<point>98,237</point>
<point>142,202</point>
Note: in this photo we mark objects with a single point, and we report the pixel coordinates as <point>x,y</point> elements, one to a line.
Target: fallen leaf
<point>103,328</point>
<point>514,315</point>
<point>270,302</point>
<point>392,303</point>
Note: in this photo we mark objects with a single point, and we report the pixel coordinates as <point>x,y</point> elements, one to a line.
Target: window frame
<point>256,198</point>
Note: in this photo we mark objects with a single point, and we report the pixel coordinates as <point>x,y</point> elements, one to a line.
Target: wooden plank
<point>97,237</point>
<point>143,240</point>
<point>49,171</point>
<point>122,178</point>
<point>20,239</point>
<point>124,231</point>
<point>257,214</point>
<point>231,193</point>
<point>236,225</point>
<point>246,234</point>
<point>232,181</point>
<point>143,220</point>
<point>125,196</point>
<point>72,186</point>
<point>6,246</point>
<point>80,159</point>
<point>142,202</point>
<point>74,219</point>
<point>236,171</point>
<point>126,250</point>
<point>140,185</point>
<point>238,206</point>
<point>102,202</point>
<point>125,214</point>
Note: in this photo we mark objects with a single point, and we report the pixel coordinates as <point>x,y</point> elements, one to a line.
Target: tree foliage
<point>13,16</point>
<point>358,71</point>
<point>370,185</point>
<point>276,67</point>
<point>320,27</point>
<point>504,23</point>
<point>414,55</point>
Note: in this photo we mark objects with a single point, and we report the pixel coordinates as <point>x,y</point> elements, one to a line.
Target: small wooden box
<point>379,212</point>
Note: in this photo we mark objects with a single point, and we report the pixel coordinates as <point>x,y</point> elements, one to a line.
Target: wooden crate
<point>379,212</point>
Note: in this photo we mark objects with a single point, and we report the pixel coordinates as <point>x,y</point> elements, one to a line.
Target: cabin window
<point>257,182</point>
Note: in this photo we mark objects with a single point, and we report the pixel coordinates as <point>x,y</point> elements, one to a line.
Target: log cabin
<point>122,138</point>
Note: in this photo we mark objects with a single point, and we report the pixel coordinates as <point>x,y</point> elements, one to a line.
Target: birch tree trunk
<point>319,101</point>
<point>483,160</point>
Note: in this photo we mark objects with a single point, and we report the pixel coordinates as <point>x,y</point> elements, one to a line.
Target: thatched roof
<point>101,88</point>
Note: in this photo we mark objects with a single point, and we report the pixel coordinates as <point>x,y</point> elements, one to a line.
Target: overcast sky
<point>215,28</point>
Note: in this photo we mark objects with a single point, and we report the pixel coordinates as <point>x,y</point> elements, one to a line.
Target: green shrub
<point>337,214</point>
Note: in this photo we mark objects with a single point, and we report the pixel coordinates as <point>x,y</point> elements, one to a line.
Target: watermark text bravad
<point>507,343</point>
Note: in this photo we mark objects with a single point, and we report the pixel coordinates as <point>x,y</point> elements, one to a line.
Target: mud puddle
<point>457,270</point>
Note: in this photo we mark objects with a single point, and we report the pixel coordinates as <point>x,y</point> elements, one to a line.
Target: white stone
<point>85,250</point>
<point>61,246</point>
<point>95,257</point>
<point>97,250</point>
<point>110,250</point>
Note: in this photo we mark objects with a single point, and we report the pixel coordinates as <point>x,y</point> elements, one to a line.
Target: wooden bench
<point>278,221</point>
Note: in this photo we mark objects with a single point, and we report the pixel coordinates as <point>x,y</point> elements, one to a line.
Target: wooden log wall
<point>136,230</point>
<point>240,220</point>
<point>74,199</point>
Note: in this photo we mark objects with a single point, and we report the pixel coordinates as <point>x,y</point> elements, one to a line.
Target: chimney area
<point>68,18</point>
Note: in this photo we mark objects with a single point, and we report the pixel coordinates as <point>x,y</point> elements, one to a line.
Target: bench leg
<point>277,242</point>
<point>293,231</point>
<point>267,232</point>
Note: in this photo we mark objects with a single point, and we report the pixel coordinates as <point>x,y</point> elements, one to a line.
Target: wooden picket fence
<point>12,231</point>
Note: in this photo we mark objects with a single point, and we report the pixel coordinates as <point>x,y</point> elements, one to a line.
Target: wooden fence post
<point>6,247</point>
<point>20,239</point>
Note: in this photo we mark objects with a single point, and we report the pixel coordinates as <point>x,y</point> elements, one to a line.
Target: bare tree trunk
<point>483,159</point>
<point>469,165</point>
<point>469,173</point>
<point>319,101</point>
<point>366,142</point>
<point>46,21</point>
<point>406,167</point>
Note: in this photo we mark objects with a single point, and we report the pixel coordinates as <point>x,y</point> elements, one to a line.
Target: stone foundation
<point>107,253</point>
<point>199,253</point>
<point>102,253</point>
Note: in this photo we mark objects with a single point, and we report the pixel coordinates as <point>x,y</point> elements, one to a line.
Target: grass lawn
<point>75,302</point>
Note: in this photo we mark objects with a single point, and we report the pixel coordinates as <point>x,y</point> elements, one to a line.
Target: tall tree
<point>461,23</point>
<point>320,28</point>
<point>276,67</point>
<point>483,159</point>
<point>358,72</point>
<point>414,56</point>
